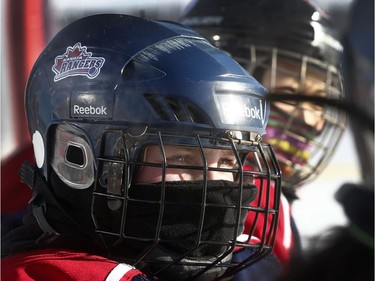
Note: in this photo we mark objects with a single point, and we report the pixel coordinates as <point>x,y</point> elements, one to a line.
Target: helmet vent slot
<point>159,107</point>
<point>197,115</point>
<point>172,109</point>
<point>179,110</point>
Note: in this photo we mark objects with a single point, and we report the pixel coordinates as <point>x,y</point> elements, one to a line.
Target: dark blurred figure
<point>347,253</point>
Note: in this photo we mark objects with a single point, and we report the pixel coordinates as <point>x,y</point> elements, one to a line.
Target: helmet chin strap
<point>28,175</point>
<point>44,198</point>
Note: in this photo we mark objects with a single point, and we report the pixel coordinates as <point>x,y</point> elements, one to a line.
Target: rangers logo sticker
<point>77,61</point>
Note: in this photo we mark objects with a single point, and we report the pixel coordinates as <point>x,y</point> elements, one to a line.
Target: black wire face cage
<point>302,133</point>
<point>196,225</point>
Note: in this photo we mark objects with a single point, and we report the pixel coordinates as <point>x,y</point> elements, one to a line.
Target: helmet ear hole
<point>75,155</point>
<point>72,157</point>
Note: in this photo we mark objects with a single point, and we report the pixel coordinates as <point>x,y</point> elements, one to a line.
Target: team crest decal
<point>77,61</point>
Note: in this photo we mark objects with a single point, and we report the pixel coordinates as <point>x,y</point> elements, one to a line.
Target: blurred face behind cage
<point>299,131</point>
<point>288,80</point>
<point>294,125</point>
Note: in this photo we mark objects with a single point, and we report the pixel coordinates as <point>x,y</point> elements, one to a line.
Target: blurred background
<point>26,27</point>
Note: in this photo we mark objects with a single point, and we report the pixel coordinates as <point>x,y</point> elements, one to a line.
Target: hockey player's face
<point>293,126</point>
<point>186,156</point>
<point>289,79</point>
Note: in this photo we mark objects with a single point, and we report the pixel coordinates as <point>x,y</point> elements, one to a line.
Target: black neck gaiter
<point>186,222</point>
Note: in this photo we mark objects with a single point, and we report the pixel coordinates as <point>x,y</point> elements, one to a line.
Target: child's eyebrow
<point>222,152</point>
<point>177,149</point>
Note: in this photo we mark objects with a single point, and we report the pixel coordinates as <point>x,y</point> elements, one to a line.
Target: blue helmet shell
<point>126,71</point>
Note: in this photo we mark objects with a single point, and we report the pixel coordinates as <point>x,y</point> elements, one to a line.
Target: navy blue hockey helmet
<point>290,46</point>
<point>106,91</point>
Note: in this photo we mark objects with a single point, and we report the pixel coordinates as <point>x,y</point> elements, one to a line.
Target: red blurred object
<point>284,241</point>
<point>15,195</point>
<point>25,39</point>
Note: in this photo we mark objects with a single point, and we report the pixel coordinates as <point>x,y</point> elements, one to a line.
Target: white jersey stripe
<point>118,272</point>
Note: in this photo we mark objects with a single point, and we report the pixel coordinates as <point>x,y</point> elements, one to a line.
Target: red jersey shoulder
<point>284,237</point>
<point>54,264</point>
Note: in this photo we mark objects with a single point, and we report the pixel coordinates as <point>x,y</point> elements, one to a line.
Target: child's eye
<point>227,163</point>
<point>178,159</point>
